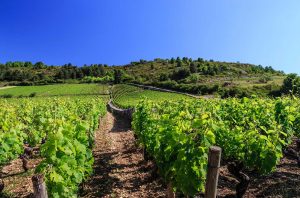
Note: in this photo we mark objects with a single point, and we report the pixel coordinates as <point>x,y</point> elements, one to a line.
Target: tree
<point>291,84</point>
<point>28,64</point>
<point>142,61</point>
<point>163,77</point>
<point>117,76</point>
<point>66,73</point>
<point>39,65</point>
<point>269,69</point>
<point>200,60</point>
<point>79,74</point>
<point>101,70</point>
<point>152,66</point>
<point>172,61</point>
<point>193,68</point>
<point>179,63</point>
<point>185,59</point>
<point>180,73</point>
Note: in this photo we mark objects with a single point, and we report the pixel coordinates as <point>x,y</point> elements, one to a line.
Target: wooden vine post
<point>214,158</point>
<point>1,185</point>
<point>39,187</point>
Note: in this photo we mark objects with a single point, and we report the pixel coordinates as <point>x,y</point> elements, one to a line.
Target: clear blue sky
<point>116,32</point>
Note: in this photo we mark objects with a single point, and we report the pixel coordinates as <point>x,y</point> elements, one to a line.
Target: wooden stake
<point>25,164</point>
<point>145,154</point>
<point>1,185</point>
<point>39,187</point>
<point>214,158</point>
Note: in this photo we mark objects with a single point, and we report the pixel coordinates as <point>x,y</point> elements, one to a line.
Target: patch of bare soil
<point>120,170</point>
<point>283,183</point>
<point>17,182</point>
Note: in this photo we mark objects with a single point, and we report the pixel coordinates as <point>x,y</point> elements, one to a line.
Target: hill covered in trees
<point>182,74</point>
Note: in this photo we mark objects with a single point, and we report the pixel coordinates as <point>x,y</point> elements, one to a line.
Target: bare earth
<point>18,182</point>
<point>120,170</point>
<point>284,182</point>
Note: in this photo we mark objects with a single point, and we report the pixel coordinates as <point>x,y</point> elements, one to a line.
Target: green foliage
<point>179,63</point>
<point>163,77</point>
<point>127,96</point>
<point>117,76</point>
<point>250,131</point>
<point>55,90</point>
<point>193,88</point>
<point>67,124</point>
<point>177,140</point>
<point>193,78</point>
<point>11,133</point>
<point>180,73</point>
<point>91,79</point>
<point>33,94</point>
<point>291,84</point>
<point>193,68</point>
<point>39,65</point>
<point>6,96</point>
<point>265,79</point>
<point>154,72</point>
<point>234,92</point>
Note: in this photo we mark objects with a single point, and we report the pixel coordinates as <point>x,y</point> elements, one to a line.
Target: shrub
<point>7,96</point>
<point>193,78</point>
<point>265,79</point>
<point>33,94</point>
<point>291,85</point>
<point>234,92</point>
<point>163,77</point>
<point>180,73</point>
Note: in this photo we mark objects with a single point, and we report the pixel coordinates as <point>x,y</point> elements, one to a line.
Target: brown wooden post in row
<point>214,158</point>
<point>1,185</point>
<point>39,187</point>
<point>25,163</point>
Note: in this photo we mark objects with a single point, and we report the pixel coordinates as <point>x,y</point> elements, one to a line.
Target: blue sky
<point>265,32</point>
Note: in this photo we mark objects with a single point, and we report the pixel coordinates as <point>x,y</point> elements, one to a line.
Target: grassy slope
<point>56,90</point>
<point>126,96</point>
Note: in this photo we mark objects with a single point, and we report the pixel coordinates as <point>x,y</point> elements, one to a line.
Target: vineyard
<point>55,90</point>
<point>60,129</point>
<point>253,134</point>
<point>126,96</point>
<point>168,145</point>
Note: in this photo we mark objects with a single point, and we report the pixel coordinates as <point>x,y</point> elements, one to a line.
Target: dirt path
<point>120,170</point>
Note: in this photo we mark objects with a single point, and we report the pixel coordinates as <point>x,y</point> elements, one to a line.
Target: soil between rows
<point>120,170</point>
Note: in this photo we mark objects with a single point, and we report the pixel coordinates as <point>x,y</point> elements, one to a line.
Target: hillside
<point>182,74</point>
<point>205,77</point>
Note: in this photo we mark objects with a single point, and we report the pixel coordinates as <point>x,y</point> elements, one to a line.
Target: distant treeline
<point>28,73</point>
<point>182,74</point>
